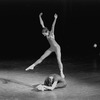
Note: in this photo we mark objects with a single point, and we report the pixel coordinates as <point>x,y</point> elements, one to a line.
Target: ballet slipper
<point>30,67</point>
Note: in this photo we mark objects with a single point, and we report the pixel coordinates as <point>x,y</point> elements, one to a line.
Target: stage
<point>81,84</point>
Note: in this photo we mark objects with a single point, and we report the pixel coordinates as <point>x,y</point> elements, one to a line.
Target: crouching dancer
<point>52,82</point>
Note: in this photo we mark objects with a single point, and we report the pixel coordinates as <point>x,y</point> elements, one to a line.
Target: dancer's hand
<point>30,67</point>
<point>41,14</point>
<point>40,87</point>
<point>55,15</point>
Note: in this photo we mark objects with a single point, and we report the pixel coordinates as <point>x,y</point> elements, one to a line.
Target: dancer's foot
<point>30,67</point>
<point>62,75</point>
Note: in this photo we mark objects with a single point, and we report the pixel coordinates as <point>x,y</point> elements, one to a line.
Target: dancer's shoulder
<point>55,75</point>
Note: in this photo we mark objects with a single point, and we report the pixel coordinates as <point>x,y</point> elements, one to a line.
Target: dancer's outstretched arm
<point>51,87</point>
<point>41,21</point>
<point>53,25</point>
<point>42,87</point>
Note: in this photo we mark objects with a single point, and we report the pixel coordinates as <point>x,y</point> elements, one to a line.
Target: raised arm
<point>53,25</point>
<point>41,21</point>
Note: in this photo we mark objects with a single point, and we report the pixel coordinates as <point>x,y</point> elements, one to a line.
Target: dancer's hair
<point>49,82</point>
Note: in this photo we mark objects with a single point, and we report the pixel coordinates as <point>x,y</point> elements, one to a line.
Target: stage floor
<point>81,85</point>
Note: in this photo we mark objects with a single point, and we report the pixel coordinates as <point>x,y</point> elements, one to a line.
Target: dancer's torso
<point>52,42</point>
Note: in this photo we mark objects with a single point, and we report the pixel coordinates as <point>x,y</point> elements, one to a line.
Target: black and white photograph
<point>49,50</point>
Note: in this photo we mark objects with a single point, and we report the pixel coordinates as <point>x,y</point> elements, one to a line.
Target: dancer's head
<point>49,81</point>
<point>45,31</point>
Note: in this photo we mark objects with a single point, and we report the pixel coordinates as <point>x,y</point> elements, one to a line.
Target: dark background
<point>77,27</point>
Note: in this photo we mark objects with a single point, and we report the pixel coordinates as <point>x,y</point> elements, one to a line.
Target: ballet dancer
<point>54,46</point>
<point>52,82</point>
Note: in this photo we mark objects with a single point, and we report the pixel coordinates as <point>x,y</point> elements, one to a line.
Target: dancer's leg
<point>58,54</point>
<point>61,84</point>
<point>46,54</point>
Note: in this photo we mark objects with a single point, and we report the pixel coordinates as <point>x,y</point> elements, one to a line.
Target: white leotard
<point>51,40</point>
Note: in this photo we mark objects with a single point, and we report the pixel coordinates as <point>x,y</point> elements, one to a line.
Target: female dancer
<point>54,46</point>
<point>52,82</point>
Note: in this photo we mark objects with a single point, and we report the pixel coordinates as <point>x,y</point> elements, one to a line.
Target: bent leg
<point>61,84</point>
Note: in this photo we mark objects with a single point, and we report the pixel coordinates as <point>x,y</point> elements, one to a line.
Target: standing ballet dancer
<point>54,46</point>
